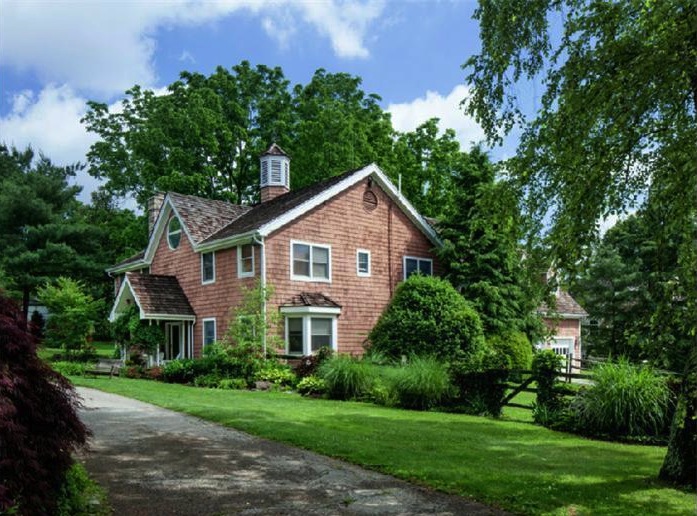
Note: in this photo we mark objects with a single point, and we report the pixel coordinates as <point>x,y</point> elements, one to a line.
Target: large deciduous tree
<point>618,114</point>
<point>202,137</point>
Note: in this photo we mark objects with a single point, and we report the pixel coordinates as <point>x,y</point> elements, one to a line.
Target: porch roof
<point>157,297</point>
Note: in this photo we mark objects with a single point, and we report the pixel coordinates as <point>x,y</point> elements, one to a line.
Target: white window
<point>174,233</point>
<point>414,265</point>
<point>245,261</point>
<point>310,262</point>
<point>363,262</point>
<point>307,333</point>
<point>207,267</point>
<point>209,335</point>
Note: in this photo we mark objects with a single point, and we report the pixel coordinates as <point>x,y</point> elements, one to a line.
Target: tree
<point>39,425</point>
<point>337,127</point>
<point>619,114</point>
<point>39,235</point>
<point>480,253</point>
<point>201,138</point>
<point>630,289</point>
<point>427,164</point>
<point>73,313</point>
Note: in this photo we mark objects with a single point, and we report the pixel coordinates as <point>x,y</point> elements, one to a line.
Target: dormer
<point>274,178</point>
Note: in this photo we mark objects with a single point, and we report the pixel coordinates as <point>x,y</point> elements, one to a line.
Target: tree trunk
<point>680,465</point>
<point>25,305</point>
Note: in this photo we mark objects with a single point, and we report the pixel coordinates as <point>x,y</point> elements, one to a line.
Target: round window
<point>174,233</point>
<point>370,200</point>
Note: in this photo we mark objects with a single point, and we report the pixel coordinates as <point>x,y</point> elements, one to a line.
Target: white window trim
<point>419,259</point>
<point>295,277</point>
<point>203,331</point>
<point>307,328</point>
<point>240,273</point>
<point>212,280</point>
<point>370,266</point>
<point>179,231</point>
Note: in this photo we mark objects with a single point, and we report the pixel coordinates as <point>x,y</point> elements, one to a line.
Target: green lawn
<point>103,349</point>
<point>507,463</point>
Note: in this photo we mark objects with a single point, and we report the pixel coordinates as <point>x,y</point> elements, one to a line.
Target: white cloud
<point>409,115</point>
<point>106,47</point>
<point>50,123</point>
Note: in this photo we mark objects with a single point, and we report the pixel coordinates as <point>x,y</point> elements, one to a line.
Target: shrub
<point>69,368</point>
<point>346,377</point>
<point>421,384</point>
<point>309,363</point>
<point>277,374</point>
<point>312,386</point>
<point>515,346</point>
<point>210,380</point>
<point>154,373</point>
<point>549,401</point>
<point>427,317</point>
<point>39,425</point>
<point>132,371</point>
<point>624,401</point>
<point>481,384</point>
<point>80,495</point>
<point>232,383</point>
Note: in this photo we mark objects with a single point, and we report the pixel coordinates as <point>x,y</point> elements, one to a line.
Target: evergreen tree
<point>481,255</point>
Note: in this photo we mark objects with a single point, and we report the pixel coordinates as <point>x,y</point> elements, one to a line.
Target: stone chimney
<point>154,206</point>
<point>274,178</point>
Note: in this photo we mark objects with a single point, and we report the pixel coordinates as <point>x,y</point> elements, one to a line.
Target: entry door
<point>175,341</point>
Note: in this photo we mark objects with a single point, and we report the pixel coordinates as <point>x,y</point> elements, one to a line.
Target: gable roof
<point>565,307</point>
<point>265,218</point>
<point>203,217</point>
<point>157,297</point>
<point>211,224</point>
<point>267,211</point>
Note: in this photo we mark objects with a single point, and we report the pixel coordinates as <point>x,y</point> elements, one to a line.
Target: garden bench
<point>105,366</point>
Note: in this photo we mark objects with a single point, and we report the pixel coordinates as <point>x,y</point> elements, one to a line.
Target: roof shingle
<point>203,217</point>
<point>315,299</point>
<point>159,295</point>
<point>565,305</point>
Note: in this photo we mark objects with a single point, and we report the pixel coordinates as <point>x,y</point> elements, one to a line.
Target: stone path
<point>158,462</point>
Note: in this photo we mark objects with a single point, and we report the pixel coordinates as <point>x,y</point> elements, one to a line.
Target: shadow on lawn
<point>518,466</point>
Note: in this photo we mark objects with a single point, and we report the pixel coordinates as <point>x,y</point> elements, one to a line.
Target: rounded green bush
<point>427,317</point>
<point>515,346</point>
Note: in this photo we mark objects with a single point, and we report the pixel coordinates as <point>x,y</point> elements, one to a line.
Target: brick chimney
<point>154,206</point>
<point>274,178</point>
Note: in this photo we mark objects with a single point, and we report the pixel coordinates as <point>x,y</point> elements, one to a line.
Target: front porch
<point>161,302</point>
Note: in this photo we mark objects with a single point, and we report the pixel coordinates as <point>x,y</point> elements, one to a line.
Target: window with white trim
<point>174,233</point>
<point>209,331</point>
<point>310,262</point>
<point>208,267</point>
<point>415,264</point>
<point>308,333</point>
<point>363,262</point>
<point>245,261</point>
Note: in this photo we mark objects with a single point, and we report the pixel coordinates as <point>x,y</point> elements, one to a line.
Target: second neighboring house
<point>333,254</point>
<point>564,322</point>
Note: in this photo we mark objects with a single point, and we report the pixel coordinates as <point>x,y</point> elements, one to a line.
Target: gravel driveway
<point>155,461</point>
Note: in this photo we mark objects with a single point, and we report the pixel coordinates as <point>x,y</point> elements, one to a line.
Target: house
<point>333,252</point>
<point>564,322</point>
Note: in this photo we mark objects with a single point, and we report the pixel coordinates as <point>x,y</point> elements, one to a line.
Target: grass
<point>510,464</point>
<point>103,349</point>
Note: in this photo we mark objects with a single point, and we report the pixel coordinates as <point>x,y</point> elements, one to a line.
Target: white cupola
<point>274,178</point>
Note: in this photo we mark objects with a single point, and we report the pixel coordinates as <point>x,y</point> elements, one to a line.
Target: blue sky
<point>55,55</point>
